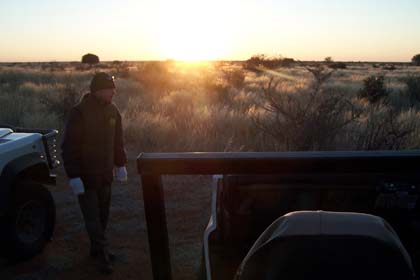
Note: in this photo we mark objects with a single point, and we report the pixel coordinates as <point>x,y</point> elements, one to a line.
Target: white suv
<point>27,209</point>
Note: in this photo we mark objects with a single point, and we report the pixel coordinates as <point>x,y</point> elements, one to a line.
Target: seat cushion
<point>327,245</point>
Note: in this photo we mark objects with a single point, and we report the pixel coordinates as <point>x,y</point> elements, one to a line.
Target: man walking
<point>93,152</point>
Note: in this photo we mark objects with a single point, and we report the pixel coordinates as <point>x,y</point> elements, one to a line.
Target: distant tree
<point>328,59</point>
<point>90,58</point>
<point>416,60</point>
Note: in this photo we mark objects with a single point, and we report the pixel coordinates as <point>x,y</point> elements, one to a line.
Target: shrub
<point>218,93</point>
<point>413,88</point>
<point>337,65</point>
<point>308,118</point>
<point>234,77</point>
<point>155,78</point>
<point>61,102</point>
<point>383,128</point>
<point>286,62</point>
<point>373,89</point>
<point>416,60</point>
<point>261,60</point>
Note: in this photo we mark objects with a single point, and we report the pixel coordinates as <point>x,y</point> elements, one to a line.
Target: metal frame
<point>387,164</point>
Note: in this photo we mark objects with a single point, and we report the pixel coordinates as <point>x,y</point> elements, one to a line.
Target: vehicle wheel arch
<point>29,167</point>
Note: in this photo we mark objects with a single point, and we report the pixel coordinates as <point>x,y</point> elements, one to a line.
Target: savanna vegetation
<point>262,104</point>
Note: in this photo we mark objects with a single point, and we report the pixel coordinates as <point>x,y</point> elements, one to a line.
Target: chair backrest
<point>327,245</point>
<point>250,203</point>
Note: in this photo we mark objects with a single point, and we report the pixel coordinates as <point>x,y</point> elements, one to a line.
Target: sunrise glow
<point>357,30</point>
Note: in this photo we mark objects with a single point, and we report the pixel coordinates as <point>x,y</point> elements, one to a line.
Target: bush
<point>286,62</point>
<point>122,69</point>
<point>261,60</point>
<point>307,118</point>
<point>413,88</point>
<point>61,102</point>
<point>416,60</point>
<point>234,77</point>
<point>218,93</point>
<point>383,128</point>
<point>155,77</point>
<point>337,65</point>
<point>373,89</point>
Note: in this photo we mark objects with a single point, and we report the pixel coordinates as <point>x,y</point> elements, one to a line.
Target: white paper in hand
<point>77,186</point>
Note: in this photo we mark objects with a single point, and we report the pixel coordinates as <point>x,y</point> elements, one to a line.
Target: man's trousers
<point>95,204</point>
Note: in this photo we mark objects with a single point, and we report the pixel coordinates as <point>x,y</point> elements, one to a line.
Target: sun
<point>191,31</point>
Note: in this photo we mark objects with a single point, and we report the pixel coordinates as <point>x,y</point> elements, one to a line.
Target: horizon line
<point>195,61</point>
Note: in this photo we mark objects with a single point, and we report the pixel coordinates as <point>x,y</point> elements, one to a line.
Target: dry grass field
<point>224,106</point>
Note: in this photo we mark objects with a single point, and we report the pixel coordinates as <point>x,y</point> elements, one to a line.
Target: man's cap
<point>101,80</point>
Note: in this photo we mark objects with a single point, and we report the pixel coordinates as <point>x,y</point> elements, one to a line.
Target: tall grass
<point>169,106</point>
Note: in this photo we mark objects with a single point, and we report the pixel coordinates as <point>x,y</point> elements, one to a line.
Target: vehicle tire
<point>30,223</point>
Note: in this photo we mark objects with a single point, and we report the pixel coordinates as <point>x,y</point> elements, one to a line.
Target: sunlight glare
<point>193,30</point>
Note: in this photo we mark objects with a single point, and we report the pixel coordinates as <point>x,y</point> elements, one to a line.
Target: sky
<point>346,30</point>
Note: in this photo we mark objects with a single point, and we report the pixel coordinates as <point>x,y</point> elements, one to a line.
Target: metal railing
<point>297,165</point>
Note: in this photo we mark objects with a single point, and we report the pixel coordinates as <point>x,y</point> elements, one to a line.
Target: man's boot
<point>95,253</point>
<point>105,264</point>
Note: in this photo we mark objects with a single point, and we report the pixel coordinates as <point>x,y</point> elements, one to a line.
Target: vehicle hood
<point>5,131</point>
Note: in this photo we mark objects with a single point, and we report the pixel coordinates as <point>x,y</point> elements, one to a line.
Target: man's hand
<point>120,174</point>
<point>77,186</point>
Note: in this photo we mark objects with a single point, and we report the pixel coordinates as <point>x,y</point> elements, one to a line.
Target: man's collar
<point>96,100</point>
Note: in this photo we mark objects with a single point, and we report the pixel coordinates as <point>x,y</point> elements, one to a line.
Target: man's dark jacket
<point>93,140</point>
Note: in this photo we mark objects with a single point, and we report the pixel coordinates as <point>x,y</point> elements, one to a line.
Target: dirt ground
<point>66,256</point>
